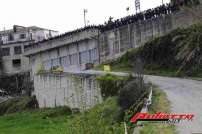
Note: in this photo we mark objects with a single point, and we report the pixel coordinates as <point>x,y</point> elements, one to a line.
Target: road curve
<point>185,96</point>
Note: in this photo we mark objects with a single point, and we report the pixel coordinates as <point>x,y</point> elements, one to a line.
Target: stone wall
<point>115,42</point>
<point>74,90</point>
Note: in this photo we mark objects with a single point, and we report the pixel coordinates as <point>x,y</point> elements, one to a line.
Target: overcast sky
<point>65,15</point>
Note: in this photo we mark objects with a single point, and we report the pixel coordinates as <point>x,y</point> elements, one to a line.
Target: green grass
<point>18,104</point>
<point>114,68</point>
<point>160,103</point>
<point>128,69</point>
<point>195,78</point>
<point>102,119</point>
<point>98,120</point>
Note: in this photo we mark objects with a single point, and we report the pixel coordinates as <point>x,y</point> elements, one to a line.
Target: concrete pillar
<point>119,40</point>
<point>129,37</point>
<point>78,56</point>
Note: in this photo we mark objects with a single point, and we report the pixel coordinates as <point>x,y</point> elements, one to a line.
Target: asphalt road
<point>186,98</point>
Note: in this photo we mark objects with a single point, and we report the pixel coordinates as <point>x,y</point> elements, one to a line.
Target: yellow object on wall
<point>107,68</point>
<point>40,68</point>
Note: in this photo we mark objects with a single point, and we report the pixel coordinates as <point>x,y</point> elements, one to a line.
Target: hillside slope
<point>178,53</point>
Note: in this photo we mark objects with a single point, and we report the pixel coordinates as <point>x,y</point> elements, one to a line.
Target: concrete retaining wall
<point>115,42</point>
<point>73,90</point>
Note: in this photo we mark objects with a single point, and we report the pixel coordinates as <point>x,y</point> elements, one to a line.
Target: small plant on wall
<point>57,69</point>
<point>40,69</point>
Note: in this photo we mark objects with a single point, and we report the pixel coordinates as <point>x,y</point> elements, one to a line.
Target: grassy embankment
<point>99,120</point>
<point>60,121</point>
<point>179,53</point>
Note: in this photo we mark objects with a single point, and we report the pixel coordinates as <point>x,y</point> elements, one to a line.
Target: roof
<point>40,47</point>
<point>69,33</point>
<point>22,28</point>
<point>35,27</point>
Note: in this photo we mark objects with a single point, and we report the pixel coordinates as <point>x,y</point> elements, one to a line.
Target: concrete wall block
<point>71,90</point>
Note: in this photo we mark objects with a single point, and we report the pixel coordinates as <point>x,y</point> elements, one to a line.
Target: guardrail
<point>147,102</point>
<point>144,109</point>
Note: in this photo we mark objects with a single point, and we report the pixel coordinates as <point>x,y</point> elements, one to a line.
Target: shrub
<point>132,95</point>
<point>18,105</point>
<point>110,84</point>
<point>55,112</point>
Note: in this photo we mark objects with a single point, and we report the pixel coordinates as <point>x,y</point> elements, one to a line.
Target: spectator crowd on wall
<point>145,15</point>
<point>164,9</point>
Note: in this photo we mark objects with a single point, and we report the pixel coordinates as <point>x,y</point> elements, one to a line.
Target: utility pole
<point>127,10</point>
<point>137,6</point>
<point>162,2</point>
<point>84,13</point>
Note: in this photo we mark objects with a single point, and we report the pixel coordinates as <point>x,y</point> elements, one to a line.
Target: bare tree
<point>139,70</point>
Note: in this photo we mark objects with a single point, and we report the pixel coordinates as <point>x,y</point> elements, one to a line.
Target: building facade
<point>99,44</point>
<point>13,43</point>
<point>71,51</point>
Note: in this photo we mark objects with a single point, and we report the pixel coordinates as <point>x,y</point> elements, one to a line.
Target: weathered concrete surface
<point>113,43</point>
<point>2,99</point>
<point>186,97</point>
<point>74,90</point>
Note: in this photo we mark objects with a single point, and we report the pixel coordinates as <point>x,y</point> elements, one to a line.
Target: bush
<point>55,112</point>
<point>16,84</point>
<point>110,85</point>
<point>132,95</point>
<point>18,105</point>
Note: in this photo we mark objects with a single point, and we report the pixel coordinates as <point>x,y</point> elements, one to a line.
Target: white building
<point>13,43</point>
<point>72,51</point>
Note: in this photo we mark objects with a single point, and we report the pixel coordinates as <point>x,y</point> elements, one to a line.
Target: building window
<point>85,57</point>
<point>10,37</point>
<point>22,36</point>
<point>56,62</point>
<point>93,55</point>
<point>73,59</point>
<point>65,61</point>
<point>18,50</point>
<point>30,36</point>
<point>16,63</point>
<point>5,51</point>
